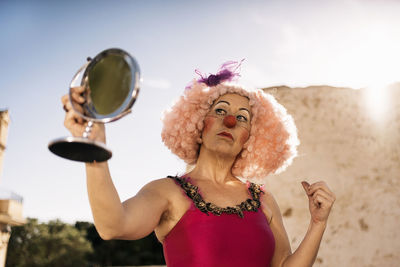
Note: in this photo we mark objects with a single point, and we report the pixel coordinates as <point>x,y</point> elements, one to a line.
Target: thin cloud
<point>157,83</point>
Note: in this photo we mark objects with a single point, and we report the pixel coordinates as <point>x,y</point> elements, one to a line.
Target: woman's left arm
<point>321,199</point>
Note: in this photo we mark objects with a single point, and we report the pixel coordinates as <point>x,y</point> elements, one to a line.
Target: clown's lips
<point>226,134</point>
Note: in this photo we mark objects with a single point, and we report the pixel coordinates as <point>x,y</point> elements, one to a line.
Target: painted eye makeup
<point>220,111</point>
<point>241,118</point>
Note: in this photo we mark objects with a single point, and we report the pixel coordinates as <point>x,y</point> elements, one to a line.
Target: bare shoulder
<point>153,201</point>
<point>167,189</point>
<point>268,197</point>
<point>160,183</point>
<point>282,245</point>
<point>268,200</point>
<point>266,204</point>
<point>162,187</point>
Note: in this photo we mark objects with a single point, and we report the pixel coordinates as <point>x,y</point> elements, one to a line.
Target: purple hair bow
<point>227,72</point>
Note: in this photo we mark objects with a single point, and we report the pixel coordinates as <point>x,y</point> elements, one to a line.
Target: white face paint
<point>227,138</point>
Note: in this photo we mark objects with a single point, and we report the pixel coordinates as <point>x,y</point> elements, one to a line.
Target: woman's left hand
<point>320,199</point>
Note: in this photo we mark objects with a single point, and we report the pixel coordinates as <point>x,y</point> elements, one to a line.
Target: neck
<point>213,167</point>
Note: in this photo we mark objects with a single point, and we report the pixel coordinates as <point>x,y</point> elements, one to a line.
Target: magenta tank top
<point>208,235</point>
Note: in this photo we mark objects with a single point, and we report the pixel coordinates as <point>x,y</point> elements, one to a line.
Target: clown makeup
<point>223,108</point>
<point>227,123</point>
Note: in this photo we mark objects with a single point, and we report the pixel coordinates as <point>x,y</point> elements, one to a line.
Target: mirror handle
<point>88,130</point>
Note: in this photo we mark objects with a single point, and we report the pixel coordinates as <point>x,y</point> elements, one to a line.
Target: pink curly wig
<point>272,144</point>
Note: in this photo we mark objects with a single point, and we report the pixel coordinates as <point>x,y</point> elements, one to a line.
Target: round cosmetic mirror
<point>111,86</point>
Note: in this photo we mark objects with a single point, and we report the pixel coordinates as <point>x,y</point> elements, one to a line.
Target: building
<point>10,203</point>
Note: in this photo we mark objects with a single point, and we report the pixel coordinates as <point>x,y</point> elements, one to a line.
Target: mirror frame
<point>125,108</point>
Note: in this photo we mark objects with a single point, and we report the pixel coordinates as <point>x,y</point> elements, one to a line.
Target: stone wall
<point>4,235</point>
<point>359,158</point>
<point>4,120</point>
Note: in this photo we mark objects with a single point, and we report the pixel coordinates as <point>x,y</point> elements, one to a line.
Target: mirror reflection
<point>108,85</point>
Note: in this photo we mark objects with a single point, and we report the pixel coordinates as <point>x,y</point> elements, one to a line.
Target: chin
<point>225,149</point>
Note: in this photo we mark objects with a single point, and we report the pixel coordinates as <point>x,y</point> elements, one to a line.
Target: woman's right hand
<point>74,122</point>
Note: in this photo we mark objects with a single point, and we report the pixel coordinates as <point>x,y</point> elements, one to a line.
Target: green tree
<point>59,244</point>
<point>145,251</point>
<point>47,244</point>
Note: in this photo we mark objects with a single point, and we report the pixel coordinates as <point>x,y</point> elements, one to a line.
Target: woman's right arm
<point>135,218</point>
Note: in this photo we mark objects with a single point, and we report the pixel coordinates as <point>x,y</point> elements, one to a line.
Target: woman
<point>208,217</point>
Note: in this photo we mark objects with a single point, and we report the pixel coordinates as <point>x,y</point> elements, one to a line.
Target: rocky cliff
<point>357,153</point>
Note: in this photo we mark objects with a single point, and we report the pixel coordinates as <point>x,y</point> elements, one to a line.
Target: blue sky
<point>43,43</point>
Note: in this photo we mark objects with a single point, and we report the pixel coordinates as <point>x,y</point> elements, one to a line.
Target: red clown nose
<point>230,121</point>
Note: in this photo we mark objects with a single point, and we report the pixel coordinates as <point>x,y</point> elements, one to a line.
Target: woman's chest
<point>227,239</point>
<point>223,196</point>
<point>181,204</point>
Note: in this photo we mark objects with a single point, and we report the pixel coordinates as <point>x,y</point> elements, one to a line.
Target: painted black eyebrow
<point>226,102</point>
<point>223,101</point>
<point>245,109</point>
